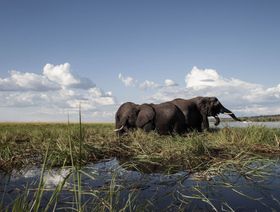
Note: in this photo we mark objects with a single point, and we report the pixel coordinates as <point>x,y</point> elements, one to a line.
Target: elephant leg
<point>180,128</point>
<point>148,127</point>
<point>198,128</point>
<point>205,123</point>
<point>195,125</point>
<point>163,129</point>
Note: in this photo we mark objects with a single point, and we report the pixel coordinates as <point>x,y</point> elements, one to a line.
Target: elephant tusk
<point>117,130</point>
<point>228,113</point>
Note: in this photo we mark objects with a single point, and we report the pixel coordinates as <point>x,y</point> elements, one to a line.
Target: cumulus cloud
<point>103,114</point>
<point>127,81</point>
<point>55,90</point>
<point>54,77</point>
<point>199,79</point>
<point>148,84</point>
<point>90,99</point>
<point>23,81</point>
<point>209,81</point>
<point>58,89</point>
<point>242,97</point>
<point>169,82</point>
<point>61,74</point>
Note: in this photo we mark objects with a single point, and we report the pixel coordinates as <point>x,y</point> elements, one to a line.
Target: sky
<point>55,55</point>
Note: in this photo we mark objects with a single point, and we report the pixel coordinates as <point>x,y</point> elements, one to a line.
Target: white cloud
<point>103,114</point>
<point>209,82</point>
<point>23,81</point>
<point>59,88</point>
<point>199,79</point>
<point>242,97</point>
<point>95,92</point>
<point>127,81</point>
<point>61,74</point>
<point>148,84</point>
<point>54,77</point>
<point>169,82</point>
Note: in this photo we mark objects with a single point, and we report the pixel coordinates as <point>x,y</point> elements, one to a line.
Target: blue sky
<point>234,44</point>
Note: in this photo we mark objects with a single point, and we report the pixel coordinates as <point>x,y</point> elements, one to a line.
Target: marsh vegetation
<point>25,144</point>
<point>205,156</point>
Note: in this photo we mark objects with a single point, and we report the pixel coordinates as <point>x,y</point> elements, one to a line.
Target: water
<point>246,124</point>
<point>156,191</point>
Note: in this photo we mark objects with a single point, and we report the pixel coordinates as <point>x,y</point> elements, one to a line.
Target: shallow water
<point>154,191</point>
<point>246,124</point>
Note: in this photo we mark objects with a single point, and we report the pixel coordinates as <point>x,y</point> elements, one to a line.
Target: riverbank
<point>24,145</point>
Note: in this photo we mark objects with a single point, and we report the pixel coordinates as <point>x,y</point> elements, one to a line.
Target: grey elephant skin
<point>125,118</point>
<point>165,118</point>
<point>198,109</point>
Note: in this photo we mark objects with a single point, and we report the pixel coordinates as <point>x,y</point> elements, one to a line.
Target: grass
<point>25,144</point>
<point>58,145</point>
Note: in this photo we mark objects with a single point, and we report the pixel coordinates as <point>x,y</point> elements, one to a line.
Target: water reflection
<point>52,177</point>
<point>156,191</point>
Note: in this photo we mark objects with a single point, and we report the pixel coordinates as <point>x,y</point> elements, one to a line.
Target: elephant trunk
<point>217,120</point>
<point>228,112</point>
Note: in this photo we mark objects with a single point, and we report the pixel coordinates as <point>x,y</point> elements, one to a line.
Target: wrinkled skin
<point>198,109</point>
<point>164,118</point>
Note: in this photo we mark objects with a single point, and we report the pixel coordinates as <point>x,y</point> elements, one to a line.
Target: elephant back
<point>169,118</point>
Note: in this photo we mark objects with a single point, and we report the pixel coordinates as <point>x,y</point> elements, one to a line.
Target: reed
<point>73,144</point>
<point>204,155</point>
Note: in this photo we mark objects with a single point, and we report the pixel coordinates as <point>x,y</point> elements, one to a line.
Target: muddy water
<point>155,191</point>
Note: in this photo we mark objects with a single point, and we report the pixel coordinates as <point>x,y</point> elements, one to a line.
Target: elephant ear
<point>146,114</point>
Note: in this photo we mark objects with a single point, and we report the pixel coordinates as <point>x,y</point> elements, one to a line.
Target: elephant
<point>197,110</point>
<point>165,118</point>
<point>125,118</point>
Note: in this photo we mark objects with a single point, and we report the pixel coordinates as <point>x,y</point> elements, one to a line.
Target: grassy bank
<point>25,145</point>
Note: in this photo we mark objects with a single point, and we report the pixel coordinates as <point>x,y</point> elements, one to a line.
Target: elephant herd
<point>176,116</point>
